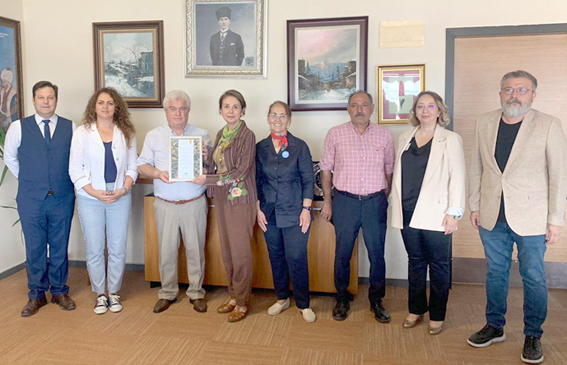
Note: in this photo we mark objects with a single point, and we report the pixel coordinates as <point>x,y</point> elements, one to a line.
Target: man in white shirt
<point>178,206</point>
<point>37,151</point>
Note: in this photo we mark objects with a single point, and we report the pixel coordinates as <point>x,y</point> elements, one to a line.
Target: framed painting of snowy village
<point>128,56</point>
<point>226,38</point>
<point>11,82</point>
<point>397,88</point>
<point>326,61</point>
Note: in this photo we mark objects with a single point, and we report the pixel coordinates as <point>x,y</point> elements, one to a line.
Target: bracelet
<point>306,207</point>
<point>125,189</point>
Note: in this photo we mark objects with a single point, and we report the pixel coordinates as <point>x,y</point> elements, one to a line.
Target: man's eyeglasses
<point>280,116</point>
<point>519,90</point>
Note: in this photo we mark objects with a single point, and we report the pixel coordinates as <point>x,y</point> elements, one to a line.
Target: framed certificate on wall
<point>186,158</point>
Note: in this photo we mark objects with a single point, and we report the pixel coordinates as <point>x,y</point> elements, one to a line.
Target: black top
<point>504,142</point>
<point>109,164</point>
<point>283,179</point>
<point>414,163</point>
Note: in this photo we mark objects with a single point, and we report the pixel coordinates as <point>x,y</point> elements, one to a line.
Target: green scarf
<point>228,135</point>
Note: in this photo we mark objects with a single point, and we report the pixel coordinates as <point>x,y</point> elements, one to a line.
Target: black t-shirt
<point>414,163</point>
<point>504,142</point>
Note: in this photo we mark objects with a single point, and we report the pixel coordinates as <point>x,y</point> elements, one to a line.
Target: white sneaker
<point>101,305</point>
<point>115,305</point>
<point>277,308</point>
<point>308,315</point>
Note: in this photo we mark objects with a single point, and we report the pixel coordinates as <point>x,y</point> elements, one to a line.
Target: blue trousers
<point>349,215</point>
<point>498,247</point>
<point>96,219</point>
<point>288,255</point>
<point>427,249</point>
<point>46,222</point>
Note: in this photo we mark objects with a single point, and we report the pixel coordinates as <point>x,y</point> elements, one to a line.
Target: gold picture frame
<point>397,88</point>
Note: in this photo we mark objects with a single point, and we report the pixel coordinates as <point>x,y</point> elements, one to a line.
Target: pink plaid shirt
<point>360,162</point>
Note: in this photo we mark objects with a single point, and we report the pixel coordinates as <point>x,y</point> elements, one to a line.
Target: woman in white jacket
<point>103,168</point>
<point>428,199</point>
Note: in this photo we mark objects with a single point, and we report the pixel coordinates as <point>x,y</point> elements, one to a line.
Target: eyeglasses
<point>519,90</point>
<point>276,116</point>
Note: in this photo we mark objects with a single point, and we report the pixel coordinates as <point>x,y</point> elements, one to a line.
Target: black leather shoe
<point>64,301</point>
<point>33,307</point>
<point>532,352</point>
<point>340,312</point>
<point>199,305</point>
<point>163,304</point>
<point>380,313</point>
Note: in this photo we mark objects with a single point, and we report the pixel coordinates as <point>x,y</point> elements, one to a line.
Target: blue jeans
<point>97,218</point>
<point>288,255</point>
<point>498,247</point>
<point>349,215</point>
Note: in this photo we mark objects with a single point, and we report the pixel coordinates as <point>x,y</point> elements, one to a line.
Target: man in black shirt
<point>517,194</point>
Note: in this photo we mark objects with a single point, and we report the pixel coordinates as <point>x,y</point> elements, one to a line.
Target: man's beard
<point>511,111</point>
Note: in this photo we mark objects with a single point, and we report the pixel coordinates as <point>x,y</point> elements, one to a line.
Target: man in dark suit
<point>37,153</point>
<point>227,48</point>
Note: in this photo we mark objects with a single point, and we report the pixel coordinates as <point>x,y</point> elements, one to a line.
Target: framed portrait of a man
<point>226,38</point>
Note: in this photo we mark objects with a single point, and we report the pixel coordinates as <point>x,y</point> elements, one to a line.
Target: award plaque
<point>318,189</point>
<point>186,158</point>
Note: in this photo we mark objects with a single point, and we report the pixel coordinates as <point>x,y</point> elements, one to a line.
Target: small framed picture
<point>397,88</point>
<point>11,80</point>
<point>186,158</point>
<point>326,60</point>
<point>128,56</point>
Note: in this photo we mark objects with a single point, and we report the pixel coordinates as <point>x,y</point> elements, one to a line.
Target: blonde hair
<point>443,119</point>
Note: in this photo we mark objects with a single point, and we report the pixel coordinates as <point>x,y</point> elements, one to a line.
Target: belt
<point>180,202</point>
<point>360,197</point>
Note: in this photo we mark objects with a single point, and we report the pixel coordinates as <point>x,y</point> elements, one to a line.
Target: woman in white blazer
<point>428,199</point>
<point>103,168</point>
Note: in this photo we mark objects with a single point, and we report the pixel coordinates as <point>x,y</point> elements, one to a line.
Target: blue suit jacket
<point>283,183</point>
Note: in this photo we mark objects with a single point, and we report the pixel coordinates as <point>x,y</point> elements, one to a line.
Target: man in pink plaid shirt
<point>361,156</point>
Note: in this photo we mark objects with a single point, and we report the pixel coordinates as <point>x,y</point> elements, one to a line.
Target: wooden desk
<point>321,249</point>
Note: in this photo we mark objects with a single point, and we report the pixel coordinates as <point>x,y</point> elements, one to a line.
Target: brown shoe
<point>163,304</point>
<point>65,302</point>
<point>199,305</point>
<point>237,316</point>
<point>33,307</point>
<point>226,308</point>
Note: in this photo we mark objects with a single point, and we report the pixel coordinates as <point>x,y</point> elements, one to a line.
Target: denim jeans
<point>349,215</point>
<point>288,255</point>
<point>97,218</point>
<point>498,247</point>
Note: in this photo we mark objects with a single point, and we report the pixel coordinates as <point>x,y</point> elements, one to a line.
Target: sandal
<point>226,308</point>
<point>237,315</point>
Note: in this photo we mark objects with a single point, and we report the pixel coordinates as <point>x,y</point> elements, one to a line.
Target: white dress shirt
<point>14,140</point>
<point>86,164</point>
<point>156,153</point>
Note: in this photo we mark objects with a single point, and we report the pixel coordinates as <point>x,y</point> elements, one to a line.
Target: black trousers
<point>428,249</point>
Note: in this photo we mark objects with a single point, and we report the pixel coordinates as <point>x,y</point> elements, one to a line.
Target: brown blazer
<point>534,182</point>
<point>443,182</point>
<point>240,157</point>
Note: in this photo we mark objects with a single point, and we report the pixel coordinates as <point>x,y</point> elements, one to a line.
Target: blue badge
<point>285,154</point>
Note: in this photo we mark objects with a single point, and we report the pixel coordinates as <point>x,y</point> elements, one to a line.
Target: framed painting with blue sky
<point>11,80</point>
<point>327,61</point>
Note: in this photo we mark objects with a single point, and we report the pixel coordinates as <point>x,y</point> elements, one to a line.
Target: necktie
<point>46,131</point>
<point>222,36</point>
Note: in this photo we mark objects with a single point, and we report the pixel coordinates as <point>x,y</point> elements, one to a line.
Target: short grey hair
<point>360,92</point>
<point>519,74</point>
<point>176,95</point>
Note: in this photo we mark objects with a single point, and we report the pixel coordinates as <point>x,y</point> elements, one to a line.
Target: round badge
<point>285,154</point>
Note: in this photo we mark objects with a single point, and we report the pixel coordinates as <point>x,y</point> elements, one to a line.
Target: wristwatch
<point>307,207</point>
<point>457,217</point>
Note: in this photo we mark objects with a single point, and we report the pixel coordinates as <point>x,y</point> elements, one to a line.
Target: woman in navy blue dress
<point>284,178</point>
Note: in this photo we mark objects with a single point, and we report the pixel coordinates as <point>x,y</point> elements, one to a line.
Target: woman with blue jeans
<point>103,168</point>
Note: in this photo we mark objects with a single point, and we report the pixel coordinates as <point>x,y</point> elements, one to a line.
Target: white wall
<point>11,244</point>
<point>58,47</point>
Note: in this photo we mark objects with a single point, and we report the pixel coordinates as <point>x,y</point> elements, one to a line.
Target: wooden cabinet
<point>321,250</point>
